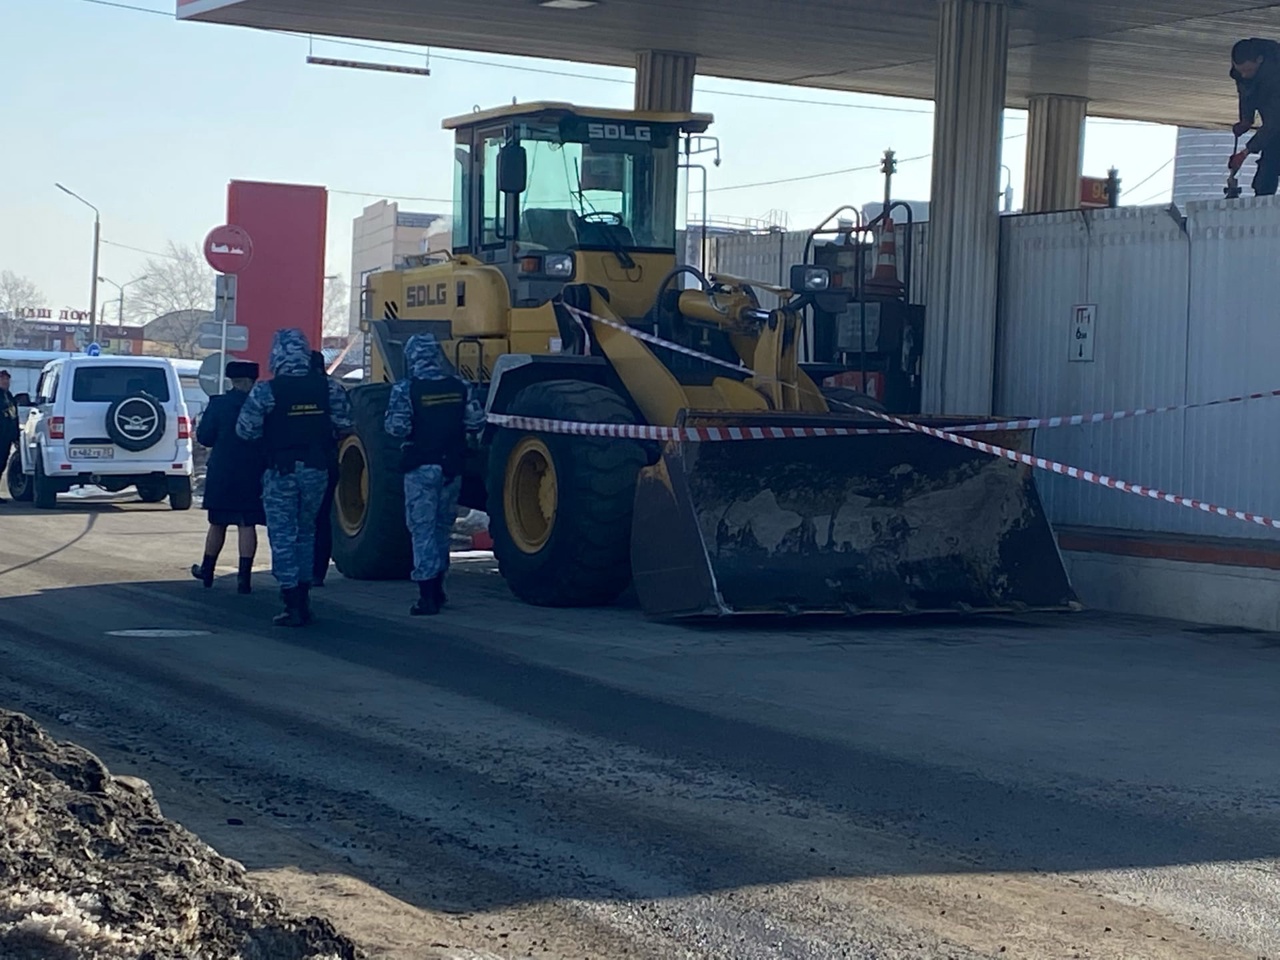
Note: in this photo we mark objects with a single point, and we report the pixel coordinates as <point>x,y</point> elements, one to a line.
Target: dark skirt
<point>238,518</point>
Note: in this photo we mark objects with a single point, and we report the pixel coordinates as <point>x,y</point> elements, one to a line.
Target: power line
<point>127,6</point>
<point>832,173</point>
<point>1152,175</point>
<point>125,246</point>
<point>812,176</point>
<point>390,196</point>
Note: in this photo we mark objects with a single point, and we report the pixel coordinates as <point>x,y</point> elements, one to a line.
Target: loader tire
<point>370,538</point>
<point>560,506</point>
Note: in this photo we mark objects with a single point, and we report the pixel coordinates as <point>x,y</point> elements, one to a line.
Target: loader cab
<point>553,194</point>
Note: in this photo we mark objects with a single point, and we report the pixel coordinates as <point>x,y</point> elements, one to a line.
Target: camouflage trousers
<point>430,508</point>
<point>292,504</point>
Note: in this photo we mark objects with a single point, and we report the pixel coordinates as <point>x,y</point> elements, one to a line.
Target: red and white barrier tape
<point>1032,423</point>
<point>632,431</point>
<point>950,435</point>
<point>1076,473</point>
<point>1082,418</point>
<point>659,342</point>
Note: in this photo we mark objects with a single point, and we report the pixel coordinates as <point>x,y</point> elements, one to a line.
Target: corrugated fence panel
<point>1132,264</point>
<point>1233,452</point>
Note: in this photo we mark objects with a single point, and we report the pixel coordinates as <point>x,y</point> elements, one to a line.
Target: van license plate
<point>92,453</point>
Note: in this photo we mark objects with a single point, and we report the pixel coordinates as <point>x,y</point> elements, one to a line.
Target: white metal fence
<point>1187,310</point>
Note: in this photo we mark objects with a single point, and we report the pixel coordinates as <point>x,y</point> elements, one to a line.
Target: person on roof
<point>431,412</point>
<point>296,414</point>
<point>1255,67</point>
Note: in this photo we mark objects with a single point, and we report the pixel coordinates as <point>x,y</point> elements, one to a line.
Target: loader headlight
<point>807,279</point>
<point>558,265</point>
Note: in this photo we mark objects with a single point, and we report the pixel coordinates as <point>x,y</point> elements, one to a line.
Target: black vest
<point>298,428</point>
<point>439,426</point>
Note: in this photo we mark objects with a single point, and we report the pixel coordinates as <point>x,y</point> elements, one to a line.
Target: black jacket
<point>1260,96</point>
<point>9,426</point>
<point>233,480</point>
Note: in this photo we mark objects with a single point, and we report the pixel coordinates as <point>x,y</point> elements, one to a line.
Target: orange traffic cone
<point>884,279</point>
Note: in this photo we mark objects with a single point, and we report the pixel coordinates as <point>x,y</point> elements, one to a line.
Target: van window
<point>47,389</point>
<point>106,384</point>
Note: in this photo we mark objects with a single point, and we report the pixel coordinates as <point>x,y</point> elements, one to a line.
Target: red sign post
<point>228,249</point>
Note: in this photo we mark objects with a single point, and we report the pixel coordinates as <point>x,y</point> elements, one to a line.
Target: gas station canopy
<point>1156,60</point>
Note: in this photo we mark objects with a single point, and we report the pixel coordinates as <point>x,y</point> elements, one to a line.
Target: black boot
<point>244,579</point>
<point>203,571</point>
<point>292,615</point>
<point>428,604</point>
<point>304,603</point>
<point>439,589</point>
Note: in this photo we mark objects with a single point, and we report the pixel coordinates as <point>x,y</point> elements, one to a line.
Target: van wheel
<point>45,490</point>
<point>152,491</point>
<point>180,493</point>
<point>20,486</point>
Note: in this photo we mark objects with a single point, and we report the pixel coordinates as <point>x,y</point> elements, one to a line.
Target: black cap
<point>242,370</point>
<point>4,373</point>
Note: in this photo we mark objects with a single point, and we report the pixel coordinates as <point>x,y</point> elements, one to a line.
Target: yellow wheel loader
<point>562,301</point>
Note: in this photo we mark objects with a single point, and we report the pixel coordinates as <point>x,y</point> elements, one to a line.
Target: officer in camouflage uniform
<point>431,412</point>
<point>296,414</point>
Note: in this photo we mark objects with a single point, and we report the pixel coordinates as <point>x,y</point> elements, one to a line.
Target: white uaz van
<point>114,422</point>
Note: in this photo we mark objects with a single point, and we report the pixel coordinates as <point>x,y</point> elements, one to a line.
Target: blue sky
<point>149,118</point>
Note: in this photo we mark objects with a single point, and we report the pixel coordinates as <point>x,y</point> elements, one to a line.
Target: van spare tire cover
<point>136,422</point>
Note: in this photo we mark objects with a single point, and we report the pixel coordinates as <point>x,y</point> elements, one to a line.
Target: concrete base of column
<point>664,81</point>
<point>1055,141</point>
<point>964,228</point>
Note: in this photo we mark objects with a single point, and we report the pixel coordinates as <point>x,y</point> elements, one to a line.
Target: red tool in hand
<point>1232,190</point>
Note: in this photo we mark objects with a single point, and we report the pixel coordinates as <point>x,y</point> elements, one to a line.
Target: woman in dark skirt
<point>233,481</point>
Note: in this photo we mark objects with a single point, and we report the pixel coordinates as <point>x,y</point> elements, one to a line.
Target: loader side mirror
<point>513,169</point>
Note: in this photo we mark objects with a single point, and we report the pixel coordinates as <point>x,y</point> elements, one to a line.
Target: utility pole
<point>120,287</point>
<point>97,240</point>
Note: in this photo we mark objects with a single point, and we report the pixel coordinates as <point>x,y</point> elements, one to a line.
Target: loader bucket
<point>894,523</point>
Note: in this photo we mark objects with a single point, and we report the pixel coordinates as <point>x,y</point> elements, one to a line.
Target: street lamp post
<point>120,287</point>
<point>97,239</point>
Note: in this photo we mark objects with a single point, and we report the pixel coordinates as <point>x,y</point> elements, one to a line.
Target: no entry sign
<point>228,249</point>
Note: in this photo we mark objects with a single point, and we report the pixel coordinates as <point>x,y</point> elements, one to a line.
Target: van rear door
<point>94,388</point>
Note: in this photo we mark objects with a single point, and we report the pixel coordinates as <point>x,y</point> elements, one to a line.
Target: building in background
<point>385,237</point>
<point>1200,165</point>
<point>73,337</point>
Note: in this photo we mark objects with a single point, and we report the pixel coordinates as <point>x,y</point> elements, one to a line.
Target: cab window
<point>461,197</point>
<point>493,208</point>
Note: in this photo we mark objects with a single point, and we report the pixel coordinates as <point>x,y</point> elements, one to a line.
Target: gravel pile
<point>90,868</point>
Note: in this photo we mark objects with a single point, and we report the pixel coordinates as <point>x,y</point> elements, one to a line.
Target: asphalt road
<point>513,782</point>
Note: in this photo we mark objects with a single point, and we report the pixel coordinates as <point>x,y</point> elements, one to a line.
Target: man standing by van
<point>8,422</point>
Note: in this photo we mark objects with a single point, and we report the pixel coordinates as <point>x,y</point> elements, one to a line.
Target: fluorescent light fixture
<point>567,4</point>
<point>366,65</point>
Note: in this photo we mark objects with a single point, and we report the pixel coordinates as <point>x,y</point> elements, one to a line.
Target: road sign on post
<point>224,315</point>
<point>211,337</point>
<point>228,249</point>
<point>211,374</point>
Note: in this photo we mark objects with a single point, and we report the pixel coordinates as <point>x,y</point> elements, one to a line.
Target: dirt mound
<point>90,868</point>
